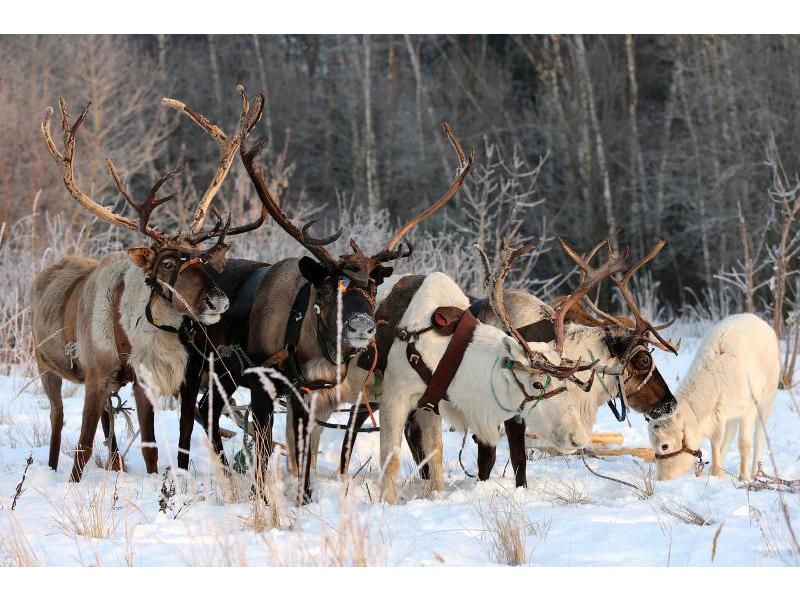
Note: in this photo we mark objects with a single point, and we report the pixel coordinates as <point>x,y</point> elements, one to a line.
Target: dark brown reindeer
<point>284,316</point>
<point>120,319</point>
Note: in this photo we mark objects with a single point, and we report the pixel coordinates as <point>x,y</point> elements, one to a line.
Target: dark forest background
<point>679,137</point>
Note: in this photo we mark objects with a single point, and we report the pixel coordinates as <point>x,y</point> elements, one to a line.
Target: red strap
<point>447,367</point>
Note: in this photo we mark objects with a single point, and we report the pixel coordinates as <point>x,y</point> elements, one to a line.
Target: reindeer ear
<point>380,273</point>
<point>141,256</point>
<point>445,319</point>
<point>312,270</point>
<point>217,257</point>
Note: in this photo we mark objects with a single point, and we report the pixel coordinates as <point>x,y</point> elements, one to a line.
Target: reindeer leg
<point>228,388</point>
<point>261,409</point>
<point>189,390</point>
<point>431,437</point>
<point>487,455</point>
<point>413,434</point>
<point>52,387</point>
<point>515,432</point>
<point>354,423</point>
<point>107,421</point>
<point>93,405</point>
<point>146,416</point>
<point>301,449</point>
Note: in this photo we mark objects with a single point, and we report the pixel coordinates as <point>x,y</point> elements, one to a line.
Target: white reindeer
<point>732,382</point>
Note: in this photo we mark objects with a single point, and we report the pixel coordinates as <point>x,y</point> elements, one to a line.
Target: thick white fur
<point>732,382</point>
<point>157,357</point>
<point>471,402</point>
<point>565,421</point>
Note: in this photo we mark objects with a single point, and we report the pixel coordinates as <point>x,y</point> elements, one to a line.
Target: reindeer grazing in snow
<point>732,382</point>
<point>565,421</point>
<point>285,316</point>
<point>123,318</point>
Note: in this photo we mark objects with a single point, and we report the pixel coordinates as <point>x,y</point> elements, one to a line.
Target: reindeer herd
<point>179,317</point>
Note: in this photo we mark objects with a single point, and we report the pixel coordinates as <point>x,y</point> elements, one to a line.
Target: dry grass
<point>566,492</point>
<point>89,511</point>
<point>685,513</point>
<point>507,528</point>
<point>16,549</point>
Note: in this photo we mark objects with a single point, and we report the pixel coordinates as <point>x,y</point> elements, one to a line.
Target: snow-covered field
<point>567,516</point>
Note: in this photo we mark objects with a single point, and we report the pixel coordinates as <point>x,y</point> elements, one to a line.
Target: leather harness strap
<point>121,340</point>
<point>445,371</point>
<point>290,365</point>
<point>698,454</point>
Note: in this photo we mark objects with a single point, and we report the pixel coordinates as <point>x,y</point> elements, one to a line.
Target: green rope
<point>600,378</point>
<point>517,413</point>
<point>494,394</point>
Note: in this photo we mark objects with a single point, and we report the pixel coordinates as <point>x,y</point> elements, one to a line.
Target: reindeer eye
<point>642,361</point>
<point>344,283</point>
<point>168,264</point>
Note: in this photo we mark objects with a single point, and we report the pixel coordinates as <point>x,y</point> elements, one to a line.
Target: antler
<point>495,283</point>
<point>642,327</point>
<point>65,161</point>
<point>228,145</point>
<point>313,245</point>
<point>465,164</point>
<point>590,277</point>
<point>249,115</point>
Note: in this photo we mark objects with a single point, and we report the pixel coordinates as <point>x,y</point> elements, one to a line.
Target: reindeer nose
<point>361,324</point>
<point>665,447</point>
<point>573,442</point>
<point>217,303</point>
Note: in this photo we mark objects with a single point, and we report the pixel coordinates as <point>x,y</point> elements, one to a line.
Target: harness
<point>620,414</point>
<point>185,331</point>
<point>439,380</point>
<point>291,367</point>
<point>698,454</point>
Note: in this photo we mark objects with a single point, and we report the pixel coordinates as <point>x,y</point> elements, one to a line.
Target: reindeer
<point>285,317</point>
<point>560,419</point>
<point>452,356</point>
<point>565,422</point>
<point>123,318</point>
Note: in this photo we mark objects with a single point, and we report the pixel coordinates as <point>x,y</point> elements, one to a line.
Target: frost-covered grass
<point>566,517</point>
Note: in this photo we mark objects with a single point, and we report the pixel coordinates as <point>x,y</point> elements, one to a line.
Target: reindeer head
<point>176,267</point>
<point>351,280</point>
<point>629,341</point>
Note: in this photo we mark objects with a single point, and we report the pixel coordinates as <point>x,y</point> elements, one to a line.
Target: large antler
<point>642,327</point>
<point>65,161</point>
<point>465,164</point>
<point>228,145</point>
<point>313,245</point>
<point>495,284</point>
<point>590,277</point>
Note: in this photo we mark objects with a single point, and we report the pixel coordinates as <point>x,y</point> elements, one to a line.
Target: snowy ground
<point>567,517</point>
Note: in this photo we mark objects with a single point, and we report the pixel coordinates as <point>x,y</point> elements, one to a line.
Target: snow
<point>566,517</point>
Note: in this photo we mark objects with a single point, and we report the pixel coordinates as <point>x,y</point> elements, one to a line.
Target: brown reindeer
<point>121,319</point>
<point>285,316</point>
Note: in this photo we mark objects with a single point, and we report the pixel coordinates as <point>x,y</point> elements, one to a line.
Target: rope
<point>364,384</point>
<point>467,473</point>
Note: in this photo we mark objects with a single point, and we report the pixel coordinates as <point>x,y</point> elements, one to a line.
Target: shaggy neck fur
<point>157,356</point>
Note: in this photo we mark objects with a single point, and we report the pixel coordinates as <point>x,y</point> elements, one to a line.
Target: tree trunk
<point>638,187</point>
<point>370,160</point>
<point>212,55</point>
<point>586,84</point>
